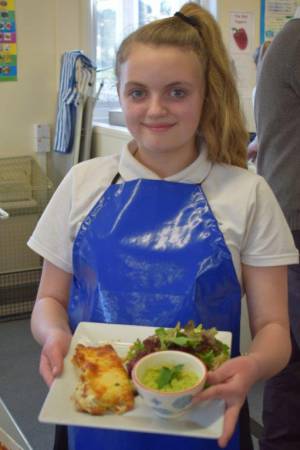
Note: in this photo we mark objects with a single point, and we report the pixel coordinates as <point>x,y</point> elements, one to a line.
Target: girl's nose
<point>156,106</point>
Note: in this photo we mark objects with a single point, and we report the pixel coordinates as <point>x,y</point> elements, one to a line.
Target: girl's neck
<point>166,164</point>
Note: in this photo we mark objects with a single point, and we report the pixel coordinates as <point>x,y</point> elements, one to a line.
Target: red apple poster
<point>241,45</point>
<point>241,48</point>
<point>241,32</point>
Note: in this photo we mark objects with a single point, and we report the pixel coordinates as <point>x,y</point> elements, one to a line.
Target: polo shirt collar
<point>131,169</point>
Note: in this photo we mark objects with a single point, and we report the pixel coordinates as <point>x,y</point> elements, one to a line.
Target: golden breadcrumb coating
<point>104,384</point>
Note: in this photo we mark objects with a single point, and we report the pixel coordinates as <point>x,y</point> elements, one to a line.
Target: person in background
<point>173,229</point>
<point>257,58</point>
<point>277,115</point>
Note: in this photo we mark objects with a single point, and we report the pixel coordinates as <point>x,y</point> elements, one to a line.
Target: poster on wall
<point>274,15</point>
<point>8,41</point>
<point>241,32</point>
<point>241,42</point>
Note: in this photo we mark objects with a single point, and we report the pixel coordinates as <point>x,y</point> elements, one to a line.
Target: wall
<point>225,7</point>
<point>250,6</point>
<point>67,35</point>
<point>29,100</point>
<point>45,29</point>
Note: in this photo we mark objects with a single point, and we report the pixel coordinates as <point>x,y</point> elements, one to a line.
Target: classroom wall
<point>29,99</point>
<point>225,7</point>
<point>45,29</point>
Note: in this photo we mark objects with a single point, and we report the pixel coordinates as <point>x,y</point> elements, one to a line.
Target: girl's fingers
<point>226,383</point>
<point>220,387</point>
<point>213,392</point>
<point>230,420</point>
<point>46,370</point>
<point>223,373</point>
<point>51,363</point>
<point>56,361</point>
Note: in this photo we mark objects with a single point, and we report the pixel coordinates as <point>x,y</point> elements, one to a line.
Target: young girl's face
<point>161,91</point>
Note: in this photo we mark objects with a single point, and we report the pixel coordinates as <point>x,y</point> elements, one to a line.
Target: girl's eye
<point>177,93</point>
<point>137,94</point>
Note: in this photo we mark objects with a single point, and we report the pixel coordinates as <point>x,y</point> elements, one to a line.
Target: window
<point>113,20</point>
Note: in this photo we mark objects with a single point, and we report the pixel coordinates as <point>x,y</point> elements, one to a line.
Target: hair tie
<point>187,19</point>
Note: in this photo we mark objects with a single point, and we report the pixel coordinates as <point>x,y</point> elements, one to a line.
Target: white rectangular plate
<point>8,441</point>
<point>9,430</point>
<point>204,420</point>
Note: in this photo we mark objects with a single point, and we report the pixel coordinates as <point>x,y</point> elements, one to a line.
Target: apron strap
<point>118,176</point>
<point>115,178</point>
<point>61,438</point>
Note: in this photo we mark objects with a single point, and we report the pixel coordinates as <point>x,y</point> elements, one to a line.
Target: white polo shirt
<point>246,210</point>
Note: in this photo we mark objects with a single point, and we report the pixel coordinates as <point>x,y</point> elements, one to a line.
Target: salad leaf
<point>207,358</point>
<point>190,338</point>
<point>167,374</point>
<point>134,349</point>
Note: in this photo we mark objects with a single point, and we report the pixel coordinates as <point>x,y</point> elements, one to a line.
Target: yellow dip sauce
<point>184,380</point>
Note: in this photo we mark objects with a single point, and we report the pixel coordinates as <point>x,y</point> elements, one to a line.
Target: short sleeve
<point>268,240</point>
<point>51,238</point>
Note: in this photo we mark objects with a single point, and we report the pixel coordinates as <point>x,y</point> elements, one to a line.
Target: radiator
<point>24,193</point>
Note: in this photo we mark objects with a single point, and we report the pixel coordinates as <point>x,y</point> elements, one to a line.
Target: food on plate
<point>3,447</point>
<point>104,384</point>
<point>168,381</point>
<point>190,338</point>
<point>169,378</point>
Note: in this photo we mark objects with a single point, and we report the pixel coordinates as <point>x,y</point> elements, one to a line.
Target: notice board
<point>274,15</point>
<point>8,41</point>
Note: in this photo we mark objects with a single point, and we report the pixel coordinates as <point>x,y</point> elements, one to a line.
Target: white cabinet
<point>109,139</point>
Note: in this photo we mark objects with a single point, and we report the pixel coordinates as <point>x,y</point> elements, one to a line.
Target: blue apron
<point>150,252</point>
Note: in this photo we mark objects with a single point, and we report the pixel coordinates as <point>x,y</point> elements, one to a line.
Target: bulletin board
<point>274,15</point>
<point>8,41</point>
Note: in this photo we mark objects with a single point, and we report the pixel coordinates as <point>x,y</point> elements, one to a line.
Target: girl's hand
<point>252,150</point>
<point>53,353</point>
<point>231,382</point>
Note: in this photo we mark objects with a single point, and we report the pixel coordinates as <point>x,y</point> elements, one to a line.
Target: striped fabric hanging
<point>77,75</point>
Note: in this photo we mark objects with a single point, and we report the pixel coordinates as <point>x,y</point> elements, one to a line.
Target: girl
<point>184,226</point>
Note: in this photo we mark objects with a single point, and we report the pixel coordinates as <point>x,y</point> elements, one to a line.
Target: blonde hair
<point>222,122</point>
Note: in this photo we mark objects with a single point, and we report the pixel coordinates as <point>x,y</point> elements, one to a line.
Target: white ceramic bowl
<point>169,404</point>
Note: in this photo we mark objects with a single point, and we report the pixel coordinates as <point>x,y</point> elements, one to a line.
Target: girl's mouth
<point>159,127</point>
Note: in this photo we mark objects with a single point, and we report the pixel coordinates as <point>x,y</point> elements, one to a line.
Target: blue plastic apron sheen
<point>150,252</point>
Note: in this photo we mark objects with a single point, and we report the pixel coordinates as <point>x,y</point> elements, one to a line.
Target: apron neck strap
<point>115,178</point>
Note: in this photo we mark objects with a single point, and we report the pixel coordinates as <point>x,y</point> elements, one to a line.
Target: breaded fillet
<point>104,384</point>
<point>3,447</point>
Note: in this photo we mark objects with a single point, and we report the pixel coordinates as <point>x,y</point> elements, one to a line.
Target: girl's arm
<point>266,291</point>
<point>49,321</point>
<point>267,299</point>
